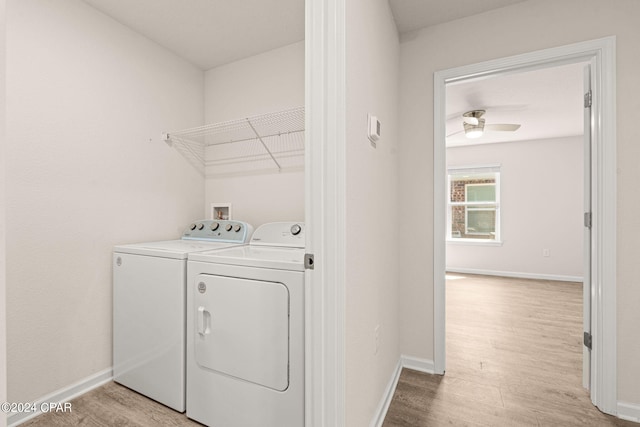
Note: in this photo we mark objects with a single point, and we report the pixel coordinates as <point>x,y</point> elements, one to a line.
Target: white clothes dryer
<point>245,323</point>
<point>149,308</point>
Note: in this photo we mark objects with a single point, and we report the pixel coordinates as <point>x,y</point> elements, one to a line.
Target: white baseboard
<point>629,411</point>
<point>558,277</point>
<point>62,395</point>
<point>408,362</point>
<point>383,406</point>
<point>418,364</point>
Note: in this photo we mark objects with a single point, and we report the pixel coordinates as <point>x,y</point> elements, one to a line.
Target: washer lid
<point>278,258</point>
<point>176,249</point>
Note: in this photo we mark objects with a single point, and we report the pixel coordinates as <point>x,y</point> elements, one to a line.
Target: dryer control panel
<point>219,231</point>
<point>283,234</point>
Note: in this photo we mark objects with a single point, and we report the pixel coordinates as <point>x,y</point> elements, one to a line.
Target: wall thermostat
<point>373,129</point>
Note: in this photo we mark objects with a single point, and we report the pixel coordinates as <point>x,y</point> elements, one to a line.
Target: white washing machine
<point>245,339</point>
<point>149,308</point>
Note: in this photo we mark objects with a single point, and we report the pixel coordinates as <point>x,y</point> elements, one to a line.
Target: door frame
<point>586,230</point>
<point>603,233</point>
<point>325,178</point>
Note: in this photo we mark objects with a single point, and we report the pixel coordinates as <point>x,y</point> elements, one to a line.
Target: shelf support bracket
<point>263,144</point>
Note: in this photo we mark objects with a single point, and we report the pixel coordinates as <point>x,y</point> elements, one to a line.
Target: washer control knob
<point>228,227</point>
<point>192,227</point>
<point>237,228</point>
<point>215,226</point>
<point>200,226</point>
<point>296,229</point>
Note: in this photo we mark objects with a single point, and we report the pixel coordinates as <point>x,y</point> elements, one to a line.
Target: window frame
<point>470,171</point>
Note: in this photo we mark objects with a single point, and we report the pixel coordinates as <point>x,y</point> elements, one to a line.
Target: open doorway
<point>600,55</point>
<point>514,253</point>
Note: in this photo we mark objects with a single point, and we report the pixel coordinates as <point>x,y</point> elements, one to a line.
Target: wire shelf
<point>247,145</point>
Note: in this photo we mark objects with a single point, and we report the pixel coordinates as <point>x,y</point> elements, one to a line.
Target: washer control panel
<point>219,231</point>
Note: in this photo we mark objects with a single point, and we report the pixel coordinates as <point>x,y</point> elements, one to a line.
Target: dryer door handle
<point>204,321</point>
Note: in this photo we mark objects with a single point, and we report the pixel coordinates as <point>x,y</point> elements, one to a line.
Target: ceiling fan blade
<point>504,127</point>
<point>455,133</point>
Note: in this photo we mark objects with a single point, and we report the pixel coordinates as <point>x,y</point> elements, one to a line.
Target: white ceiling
<point>547,103</point>
<point>210,33</point>
<point>413,14</point>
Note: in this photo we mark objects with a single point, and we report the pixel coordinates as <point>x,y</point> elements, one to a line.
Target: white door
<point>586,287</point>
<point>242,329</point>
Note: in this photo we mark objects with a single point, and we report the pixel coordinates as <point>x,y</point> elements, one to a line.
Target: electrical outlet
<point>376,337</point>
<point>546,253</point>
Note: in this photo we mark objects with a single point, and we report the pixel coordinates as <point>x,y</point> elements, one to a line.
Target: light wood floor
<point>113,405</point>
<point>514,358</point>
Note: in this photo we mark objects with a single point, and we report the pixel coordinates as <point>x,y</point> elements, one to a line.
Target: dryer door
<point>242,329</point>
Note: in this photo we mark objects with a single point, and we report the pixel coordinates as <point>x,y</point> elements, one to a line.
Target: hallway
<point>514,358</point>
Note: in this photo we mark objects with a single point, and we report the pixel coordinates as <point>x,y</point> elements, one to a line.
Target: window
<point>474,204</point>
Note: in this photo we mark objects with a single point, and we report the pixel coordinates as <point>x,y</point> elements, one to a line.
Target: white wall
<point>541,207</point>
<point>269,82</point>
<point>524,27</point>
<point>372,59</point>
<point>3,283</point>
<point>87,100</point>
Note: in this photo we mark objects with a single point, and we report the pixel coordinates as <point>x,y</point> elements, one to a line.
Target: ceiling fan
<point>474,125</point>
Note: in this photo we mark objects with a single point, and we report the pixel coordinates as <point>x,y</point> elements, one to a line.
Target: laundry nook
<point>319,213</point>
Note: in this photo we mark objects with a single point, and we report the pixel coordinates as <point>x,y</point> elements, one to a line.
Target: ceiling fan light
<point>473,117</point>
<point>474,133</point>
<point>471,120</point>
